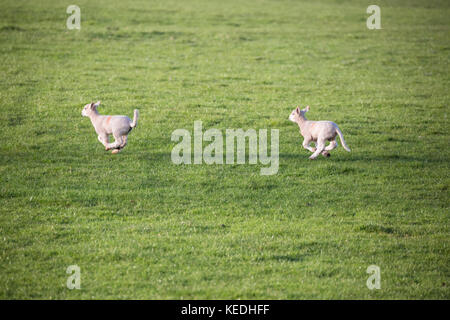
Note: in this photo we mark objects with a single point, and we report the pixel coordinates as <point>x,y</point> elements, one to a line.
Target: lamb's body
<point>314,130</point>
<point>110,124</point>
<point>118,126</point>
<point>318,132</point>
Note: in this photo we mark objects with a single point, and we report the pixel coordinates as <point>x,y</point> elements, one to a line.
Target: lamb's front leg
<point>307,145</point>
<point>104,139</point>
<point>320,148</point>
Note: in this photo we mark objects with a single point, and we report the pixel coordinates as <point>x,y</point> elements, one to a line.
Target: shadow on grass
<point>289,258</point>
<point>358,157</point>
<point>286,258</point>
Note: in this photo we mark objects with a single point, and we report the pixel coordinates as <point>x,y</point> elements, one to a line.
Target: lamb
<point>318,132</point>
<point>118,126</point>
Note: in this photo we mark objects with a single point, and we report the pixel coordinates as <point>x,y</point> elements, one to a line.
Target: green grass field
<point>141,227</point>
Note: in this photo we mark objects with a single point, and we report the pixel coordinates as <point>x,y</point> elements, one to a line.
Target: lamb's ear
<point>92,106</point>
<point>97,104</point>
<point>307,108</point>
<point>297,110</point>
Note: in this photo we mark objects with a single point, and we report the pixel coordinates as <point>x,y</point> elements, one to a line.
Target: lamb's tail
<point>341,136</point>
<point>135,118</point>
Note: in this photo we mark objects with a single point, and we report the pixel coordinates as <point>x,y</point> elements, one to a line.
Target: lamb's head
<point>297,114</point>
<point>89,109</point>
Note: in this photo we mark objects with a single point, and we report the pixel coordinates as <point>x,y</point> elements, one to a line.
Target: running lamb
<point>318,132</point>
<point>118,126</point>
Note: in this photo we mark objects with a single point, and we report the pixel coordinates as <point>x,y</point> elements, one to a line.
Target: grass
<point>141,227</point>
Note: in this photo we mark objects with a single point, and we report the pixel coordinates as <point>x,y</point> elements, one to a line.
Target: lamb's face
<point>86,110</point>
<point>89,109</point>
<point>294,115</point>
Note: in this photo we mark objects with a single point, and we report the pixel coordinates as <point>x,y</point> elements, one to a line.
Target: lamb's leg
<point>333,144</point>
<point>124,141</point>
<point>116,144</point>
<point>104,139</point>
<point>306,145</point>
<point>320,147</point>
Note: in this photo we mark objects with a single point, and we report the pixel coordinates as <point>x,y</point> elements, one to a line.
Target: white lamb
<point>118,126</point>
<point>318,132</point>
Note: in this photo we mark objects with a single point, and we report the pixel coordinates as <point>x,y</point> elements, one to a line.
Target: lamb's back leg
<point>122,145</point>
<point>333,144</point>
<point>124,141</point>
<point>116,144</point>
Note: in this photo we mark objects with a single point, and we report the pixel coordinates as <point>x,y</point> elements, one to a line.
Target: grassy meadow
<point>141,227</point>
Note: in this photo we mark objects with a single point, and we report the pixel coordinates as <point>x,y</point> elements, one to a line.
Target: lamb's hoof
<point>326,154</point>
<point>312,158</point>
<point>107,149</point>
<point>115,151</point>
